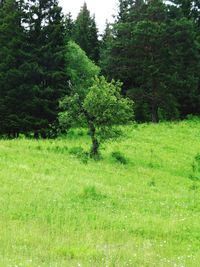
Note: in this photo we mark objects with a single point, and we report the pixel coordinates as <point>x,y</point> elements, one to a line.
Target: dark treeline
<point>32,65</point>
<point>153,48</point>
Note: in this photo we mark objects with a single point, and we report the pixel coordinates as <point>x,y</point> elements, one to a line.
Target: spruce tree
<point>86,33</point>
<point>184,64</point>
<point>105,45</point>
<point>154,69</point>
<point>189,9</point>
<point>69,26</point>
<point>12,60</point>
<point>46,77</point>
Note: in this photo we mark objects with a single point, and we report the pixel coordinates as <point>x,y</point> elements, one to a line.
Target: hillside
<point>57,209</point>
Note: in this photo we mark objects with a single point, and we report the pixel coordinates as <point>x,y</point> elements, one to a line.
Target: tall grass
<point>59,210</point>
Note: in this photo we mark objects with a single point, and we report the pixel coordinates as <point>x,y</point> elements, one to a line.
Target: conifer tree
<point>69,26</point>
<point>189,9</point>
<point>12,39</point>
<point>46,77</point>
<point>86,33</point>
<point>152,67</point>
<point>105,45</point>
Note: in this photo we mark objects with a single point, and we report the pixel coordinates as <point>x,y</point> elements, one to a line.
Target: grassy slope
<point>57,211</point>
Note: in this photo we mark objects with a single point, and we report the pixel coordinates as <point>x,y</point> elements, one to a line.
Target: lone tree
<point>104,107</point>
<point>96,104</point>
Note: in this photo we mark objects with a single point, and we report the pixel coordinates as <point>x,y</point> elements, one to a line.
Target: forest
<point>152,48</point>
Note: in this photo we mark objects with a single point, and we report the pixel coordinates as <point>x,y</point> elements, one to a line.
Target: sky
<point>103,9</point>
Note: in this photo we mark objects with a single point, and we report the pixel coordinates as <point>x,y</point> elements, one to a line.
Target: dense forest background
<point>153,47</point>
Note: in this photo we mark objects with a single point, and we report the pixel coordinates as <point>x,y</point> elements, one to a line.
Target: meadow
<point>139,208</point>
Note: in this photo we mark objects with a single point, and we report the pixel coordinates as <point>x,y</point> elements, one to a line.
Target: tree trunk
<point>154,112</point>
<point>154,103</point>
<point>94,152</point>
<point>36,135</point>
<point>16,135</point>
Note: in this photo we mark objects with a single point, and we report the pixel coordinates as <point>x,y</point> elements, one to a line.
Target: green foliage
<point>46,71</point>
<point>152,47</point>
<point>156,56</point>
<point>80,69</point>
<point>93,101</point>
<point>105,105</point>
<point>105,45</point>
<point>81,72</point>
<point>113,133</point>
<point>102,108</point>
<point>32,66</point>
<point>86,34</point>
<point>12,62</point>
<point>69,26</point>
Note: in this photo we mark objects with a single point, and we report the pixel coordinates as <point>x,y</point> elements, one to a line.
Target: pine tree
<point>123,11</point>
<point>46,77</point>
<point>69,27</point>
<point>184,61</point>
<point>189,9</point>
<point>155,70</point>
<point>12,39</point>
<point>86,33</point>
<point>115,56</point>
<point>185,6</point>
<point>105,45</point>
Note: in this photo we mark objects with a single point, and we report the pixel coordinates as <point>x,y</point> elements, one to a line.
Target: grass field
<point>58,210</point>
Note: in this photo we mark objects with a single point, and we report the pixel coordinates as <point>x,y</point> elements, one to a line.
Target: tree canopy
<point>93,102</point>
<point>152,48</point>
